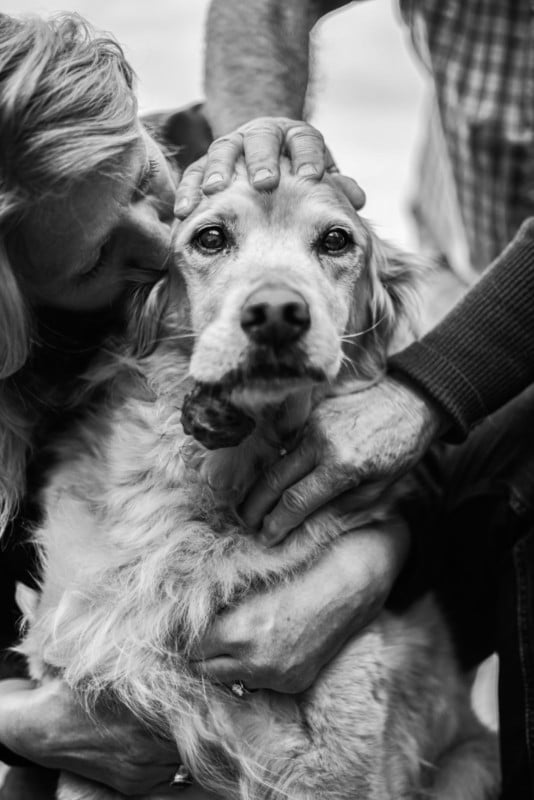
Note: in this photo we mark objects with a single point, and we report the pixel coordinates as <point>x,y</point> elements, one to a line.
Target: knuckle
<point>231,140</point>
<point>342,459</point>
<point>272,482</point>
<point>346,472</point>
<point>294,502</point>
<point>307,134</point>
<point>218,162</point>
<point>193,171</point>
<point>224,145</point>
<point>316,446</point>
<point>262,158</point>
<point>263,128</point>
<point>292,681</point>
<point>262,139</point>
<point>262,124</point>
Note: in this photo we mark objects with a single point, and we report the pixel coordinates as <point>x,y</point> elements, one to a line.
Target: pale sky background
<point>368,87</point>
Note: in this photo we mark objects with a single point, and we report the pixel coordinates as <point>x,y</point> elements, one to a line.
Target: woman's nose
<point>147,241</point>
<point>163,204</point>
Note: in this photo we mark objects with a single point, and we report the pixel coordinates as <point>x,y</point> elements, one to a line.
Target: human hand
<point>376,434</point>
<point>281,639</point>
<point>49,727</point>
<point>261,142</point>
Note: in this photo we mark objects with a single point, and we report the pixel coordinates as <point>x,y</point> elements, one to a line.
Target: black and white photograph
<point>267,400</point>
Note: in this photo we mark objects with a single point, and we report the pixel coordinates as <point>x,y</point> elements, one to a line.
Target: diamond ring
<point>182,777</point>
<point>239,689</point>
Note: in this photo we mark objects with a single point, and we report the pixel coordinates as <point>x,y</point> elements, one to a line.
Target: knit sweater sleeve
<point>482,354</point>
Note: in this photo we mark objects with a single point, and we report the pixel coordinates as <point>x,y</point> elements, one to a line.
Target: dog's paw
<point>212,420</point>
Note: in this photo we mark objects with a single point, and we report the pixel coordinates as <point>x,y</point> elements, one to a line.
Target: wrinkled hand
<point>376,434</point>
<point>48,726</point>
<point>280,640</point>
<point>261,142</point>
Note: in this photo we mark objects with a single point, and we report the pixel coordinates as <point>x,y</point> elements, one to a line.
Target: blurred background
<point>367,96</point>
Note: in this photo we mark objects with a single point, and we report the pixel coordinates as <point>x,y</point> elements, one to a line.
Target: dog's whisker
<point>176,337</point>
<point>348,362</point>
<point>347,336</point>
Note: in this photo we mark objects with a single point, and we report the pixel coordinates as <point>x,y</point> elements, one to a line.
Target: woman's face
<point>77,251</point>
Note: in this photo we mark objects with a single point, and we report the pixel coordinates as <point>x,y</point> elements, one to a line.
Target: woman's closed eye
<point>100,262</point>
<point>140,191</point>
<point>147,176</point>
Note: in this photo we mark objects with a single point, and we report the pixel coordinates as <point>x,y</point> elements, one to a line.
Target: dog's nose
<point>275,316</point>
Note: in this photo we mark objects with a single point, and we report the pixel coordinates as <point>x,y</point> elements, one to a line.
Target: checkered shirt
<point>477,166</point>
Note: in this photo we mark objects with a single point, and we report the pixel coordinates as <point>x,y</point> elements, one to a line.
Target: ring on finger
<point>181,777</point>
<point>239,689</point>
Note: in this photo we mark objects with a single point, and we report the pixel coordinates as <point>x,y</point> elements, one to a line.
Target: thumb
<point>350,188</point>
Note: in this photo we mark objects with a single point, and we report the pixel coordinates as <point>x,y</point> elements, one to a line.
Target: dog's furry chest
<point>155,532</point>
<point>142,550</point>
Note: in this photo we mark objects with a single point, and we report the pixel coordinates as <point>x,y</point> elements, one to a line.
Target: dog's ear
<point>163,312</point>
<point>384,315</point>
<point>145,316</point>
<point>396,277</point>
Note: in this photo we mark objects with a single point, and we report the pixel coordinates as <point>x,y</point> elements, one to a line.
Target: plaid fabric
<point>480,159</point>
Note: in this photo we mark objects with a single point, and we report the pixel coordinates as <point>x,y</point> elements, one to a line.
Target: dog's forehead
<point>294,201</point>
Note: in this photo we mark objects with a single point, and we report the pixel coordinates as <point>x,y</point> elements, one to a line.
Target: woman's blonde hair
<point>67,109</point>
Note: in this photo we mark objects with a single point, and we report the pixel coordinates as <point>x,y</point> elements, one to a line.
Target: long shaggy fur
<point>141,547</point>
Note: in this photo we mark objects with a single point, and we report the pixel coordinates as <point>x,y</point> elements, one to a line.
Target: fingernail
<point>214,178</point>
<point>262,174</point>
<point>181,207</point>
<point>269,535</point>
<point>307,171</point>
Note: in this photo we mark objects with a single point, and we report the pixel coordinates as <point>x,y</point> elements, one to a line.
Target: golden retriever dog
<point>275,300</point>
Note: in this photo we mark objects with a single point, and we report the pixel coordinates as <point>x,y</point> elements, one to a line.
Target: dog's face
<point>281,292</point>
<point>275,282</point>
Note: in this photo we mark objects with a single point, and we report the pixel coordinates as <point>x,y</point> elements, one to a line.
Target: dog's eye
<point>335,241</point>
<point>211,240</point>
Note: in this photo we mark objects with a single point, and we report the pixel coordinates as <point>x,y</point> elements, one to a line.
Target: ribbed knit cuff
<point>482,354</point>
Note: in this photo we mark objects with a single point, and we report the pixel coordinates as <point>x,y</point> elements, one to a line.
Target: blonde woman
<point>86,198</point>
